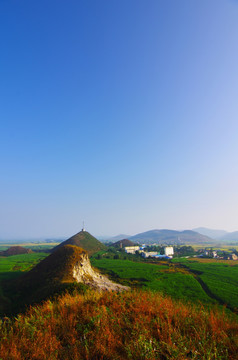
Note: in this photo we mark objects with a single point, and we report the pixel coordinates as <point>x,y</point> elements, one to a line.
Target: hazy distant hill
<point>85,241</point>
<point>230,236</point>
<point>166,236</point>
<point>119,237</point>
<point>212,233</point>
<point>220,235</point>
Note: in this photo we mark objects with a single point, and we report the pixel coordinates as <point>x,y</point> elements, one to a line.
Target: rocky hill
<point>66,266</point>
<point>15,250</point>
<point>84,240</point>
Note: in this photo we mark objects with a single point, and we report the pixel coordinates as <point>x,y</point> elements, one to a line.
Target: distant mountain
<point>83,240</point>
<point>230,236</point>
<point>166,236</point>
<point>119,237</point>
<point>15,250</point>
<point>212,233</point>
<point>123,243</point>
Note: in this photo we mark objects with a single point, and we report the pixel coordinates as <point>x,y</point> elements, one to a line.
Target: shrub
<point>133,325</point>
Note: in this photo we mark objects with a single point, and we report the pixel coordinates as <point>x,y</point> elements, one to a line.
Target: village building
<point>149,254</point>
<point>131,249</point>
<point>234,257</point>
<point>169,251</point>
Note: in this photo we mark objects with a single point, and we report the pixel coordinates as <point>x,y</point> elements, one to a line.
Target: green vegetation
<point>4,247</point>
<point>40,248</point>
<point>159,277</point>
<point>185,279</point>
<point>112,253</point>
<point>144,323</point>
<point>85,241</point>
<point>220,280</point>
<point>18,263</point>
<point>11,268</point>
<point>51,276</point>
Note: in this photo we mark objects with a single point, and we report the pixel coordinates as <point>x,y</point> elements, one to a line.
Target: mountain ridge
<point>167,236</point>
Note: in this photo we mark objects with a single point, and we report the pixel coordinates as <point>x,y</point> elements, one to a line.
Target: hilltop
<point>15,250</point>
<point>119,237</point>
<point>123,243</point>
<point>212,233</point>
<point>84,240</point>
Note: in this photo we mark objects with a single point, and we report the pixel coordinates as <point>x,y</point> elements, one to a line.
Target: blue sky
<point>119,113</point>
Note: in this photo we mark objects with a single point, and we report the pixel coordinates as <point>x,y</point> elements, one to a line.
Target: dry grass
<point>134,325</point>
<point>216,261</point>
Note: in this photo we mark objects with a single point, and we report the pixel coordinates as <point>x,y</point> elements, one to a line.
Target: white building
<point>150,253</point>
<point>169,251</point>
<point>131,249</point>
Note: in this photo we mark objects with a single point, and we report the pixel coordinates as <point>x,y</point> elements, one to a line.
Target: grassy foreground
<point>133,325</point>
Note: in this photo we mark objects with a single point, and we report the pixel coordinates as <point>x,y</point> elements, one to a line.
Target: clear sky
<point>122,113</point>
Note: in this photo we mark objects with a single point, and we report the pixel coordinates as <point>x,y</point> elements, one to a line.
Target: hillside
<point>212,233</point>
<point>123,243</point>
<point>67,265</point>
<point>166,236</point>
<point>84,240</point>
<point>108,326</point>
<point>231,236</point>
<point>15,250</point>
<point>119,237</point>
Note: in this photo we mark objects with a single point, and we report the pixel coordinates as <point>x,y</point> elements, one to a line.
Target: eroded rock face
<point>83,273</point>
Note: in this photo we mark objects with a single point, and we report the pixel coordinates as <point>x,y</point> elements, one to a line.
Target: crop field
<point>3,247</point>
<point>215,261</point>
<point>173,282</point>
<point>221,279</point>
<point>12,266</point>
<point>209,282</point>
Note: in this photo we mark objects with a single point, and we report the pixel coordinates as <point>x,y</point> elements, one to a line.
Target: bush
<point>133,325</point>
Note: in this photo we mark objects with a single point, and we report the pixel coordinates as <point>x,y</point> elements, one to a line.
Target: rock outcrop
<point>64,270</point>
<point>84,273</point>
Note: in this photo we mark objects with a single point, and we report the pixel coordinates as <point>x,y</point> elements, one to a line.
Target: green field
<point>173,282</point>
<point>32,246</point>
<point>12,266</point>
<point>208,283</point>
<point>220,279</point>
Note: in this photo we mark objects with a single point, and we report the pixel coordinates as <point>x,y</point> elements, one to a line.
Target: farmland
<point>206,281</point>
<point>175,282</point>
<point>220,279</point>
<point>12,267</point>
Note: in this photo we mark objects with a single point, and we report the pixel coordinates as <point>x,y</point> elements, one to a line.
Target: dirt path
<point>206,288</point>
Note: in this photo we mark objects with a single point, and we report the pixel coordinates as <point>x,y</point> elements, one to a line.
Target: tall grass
<point>133,325</point>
